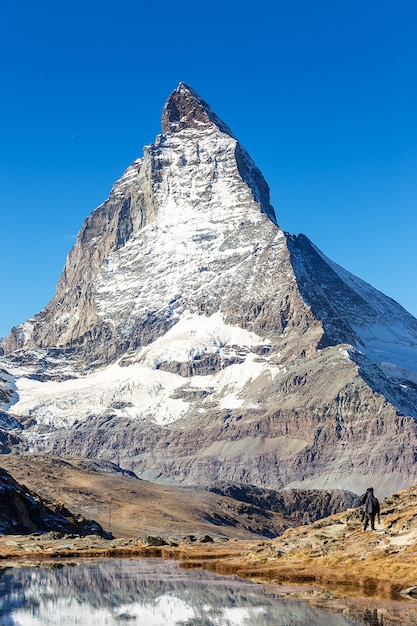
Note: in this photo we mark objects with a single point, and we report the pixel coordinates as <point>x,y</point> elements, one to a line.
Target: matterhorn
<point>192,339</point>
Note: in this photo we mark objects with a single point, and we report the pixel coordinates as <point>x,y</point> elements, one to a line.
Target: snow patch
<point>140,390</point>
<point>196,335</point>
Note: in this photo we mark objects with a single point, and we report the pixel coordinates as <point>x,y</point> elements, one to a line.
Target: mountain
<point>191,339</point>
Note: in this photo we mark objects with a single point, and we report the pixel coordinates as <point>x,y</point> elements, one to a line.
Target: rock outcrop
<point>299,506</point>
<point>23,512</point>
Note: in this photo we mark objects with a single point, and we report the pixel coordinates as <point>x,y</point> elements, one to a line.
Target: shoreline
<point>248,560</point>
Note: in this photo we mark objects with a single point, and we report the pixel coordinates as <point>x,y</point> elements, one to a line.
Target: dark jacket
<point>371,504</point>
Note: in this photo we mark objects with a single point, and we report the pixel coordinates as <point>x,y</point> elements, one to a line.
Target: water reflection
<point>147,592</point>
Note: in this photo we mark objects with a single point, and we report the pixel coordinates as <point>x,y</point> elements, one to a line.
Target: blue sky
<point>322,94</point>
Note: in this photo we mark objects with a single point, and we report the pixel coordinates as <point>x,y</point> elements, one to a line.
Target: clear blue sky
<point>323,95</point>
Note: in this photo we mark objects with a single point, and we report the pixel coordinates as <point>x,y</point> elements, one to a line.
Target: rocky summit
<point>192,340</point>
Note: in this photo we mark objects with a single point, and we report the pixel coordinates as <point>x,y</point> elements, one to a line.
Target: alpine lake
<point>158,592</point>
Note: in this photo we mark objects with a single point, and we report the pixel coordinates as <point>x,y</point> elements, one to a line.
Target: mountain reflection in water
<point>149,592</point>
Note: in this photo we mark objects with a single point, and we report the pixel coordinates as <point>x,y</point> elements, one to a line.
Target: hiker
<point>371,509</point>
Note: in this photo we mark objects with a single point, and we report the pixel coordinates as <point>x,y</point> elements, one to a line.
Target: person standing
<point>371,509</point>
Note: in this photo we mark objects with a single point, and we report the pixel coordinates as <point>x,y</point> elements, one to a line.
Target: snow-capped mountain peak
<point>185,313</point>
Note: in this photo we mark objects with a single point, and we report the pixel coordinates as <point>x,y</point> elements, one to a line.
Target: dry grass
<point>376,574</point>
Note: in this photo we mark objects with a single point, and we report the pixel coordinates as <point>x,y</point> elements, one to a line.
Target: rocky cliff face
<point>22,512</point>
<point>191,337</point>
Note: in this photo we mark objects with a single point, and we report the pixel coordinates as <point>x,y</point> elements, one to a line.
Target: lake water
<point>154,592</point>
